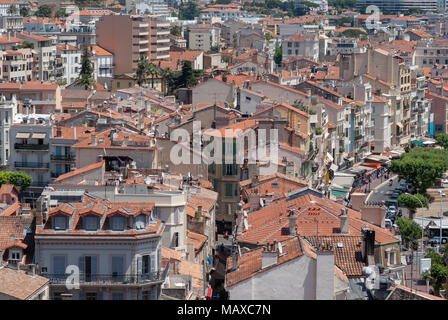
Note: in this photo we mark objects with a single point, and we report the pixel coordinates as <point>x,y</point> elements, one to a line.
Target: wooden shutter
<point>234,169</point>
<point>152,263</point>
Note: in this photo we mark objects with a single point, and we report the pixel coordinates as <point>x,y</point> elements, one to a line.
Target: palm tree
<point>141,75</point>
<point>153,71</point>
<point>167,74</point>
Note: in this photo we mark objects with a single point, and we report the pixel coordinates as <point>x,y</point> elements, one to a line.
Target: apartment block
<point>129,37</point>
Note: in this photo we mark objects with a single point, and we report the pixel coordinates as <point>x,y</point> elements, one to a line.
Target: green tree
<point>17,178</point>
<point>176,31</point>
<point>12,10</point>
<point>412,202</point>
<point>421,167</point>
<point>24,12</point>
<point>223,1</point>
<point>436,276</point>
<point>353,33</point>
<point>278,56</point>
<point>154,71</point>
<point>167,79</point>
<point>188,11</point>
<point>141,75</point>
<point>268,36</point>
<point>442,140</point>
<point>43,11</point>
<point>61,13</point>
<point>187,78</point>
<point>410,232</point>
<point>85,77</point>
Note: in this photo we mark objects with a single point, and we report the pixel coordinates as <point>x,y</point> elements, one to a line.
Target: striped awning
<point>39,135</point>
<point>22,135</point>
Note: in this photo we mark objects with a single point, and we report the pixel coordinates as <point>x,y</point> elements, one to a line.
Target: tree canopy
<point>176,31</point>
<point>412,201</point>
<point>421,167</point>
<point>353,33</point>
<point>43,11</point>
<point>342,4</point>
<point>437,273</point>
<point>442,140</point>
<point>278,56</point>
<point>410,232</point>
<point>85,77</point>
<point>188,11</point>
<point>17,178</point>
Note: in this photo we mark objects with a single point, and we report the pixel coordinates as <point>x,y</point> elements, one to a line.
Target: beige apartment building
<point>17,65</point>
<point>128,37</point>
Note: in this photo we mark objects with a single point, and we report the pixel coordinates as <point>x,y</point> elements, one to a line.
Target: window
<point>228,169</point>
<point>146,264</point>
<point>140,222</point>
<point>91,223</point>
<point>118,223</point>
<point>6,116</point>
<point>145,295</point>
<point>15,255</point>
<point>59,265</point>
<point>228,189</point>
<point>117,266</point>
<point>60,223</point>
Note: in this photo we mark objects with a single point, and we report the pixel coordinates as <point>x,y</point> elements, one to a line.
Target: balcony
<point>31,147</point>
<point>65,157</point>
<point>32,165</point>
<point>110,280</point>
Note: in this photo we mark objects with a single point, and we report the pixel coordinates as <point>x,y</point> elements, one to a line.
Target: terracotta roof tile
<point>18,284</point>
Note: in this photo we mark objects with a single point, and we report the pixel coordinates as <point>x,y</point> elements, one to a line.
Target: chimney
<point>357,200</point>
<point>325,274</point>
<point>93,139</point>
<point>235,260</point>
<point>368,245</point>
<point>254,200</point>
<point>292,218</point>
<point>344,222</point>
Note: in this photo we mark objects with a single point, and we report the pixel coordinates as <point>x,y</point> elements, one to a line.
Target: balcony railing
<point>66,157</point>
<point>109,279</point>
<point>36,165</point>
<point>22,146</point>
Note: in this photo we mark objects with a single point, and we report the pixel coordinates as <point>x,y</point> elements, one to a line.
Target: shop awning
<point>38,135</point>
<point>22,135</point>
<point>419,143</point>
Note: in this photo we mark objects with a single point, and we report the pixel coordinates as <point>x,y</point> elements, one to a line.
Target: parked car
<point>392,210</point>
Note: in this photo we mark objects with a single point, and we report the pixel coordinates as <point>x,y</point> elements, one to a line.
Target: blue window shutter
<point>99,295</point>
<point>59,265</point>
<point>82,295</point>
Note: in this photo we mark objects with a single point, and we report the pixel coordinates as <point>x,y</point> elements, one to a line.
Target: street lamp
<point>441,216</point>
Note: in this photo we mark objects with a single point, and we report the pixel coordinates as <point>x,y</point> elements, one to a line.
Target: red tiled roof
<point>197,239</point>
<point>19,285</point>
<point>82,170</point>
<point>347,251</point>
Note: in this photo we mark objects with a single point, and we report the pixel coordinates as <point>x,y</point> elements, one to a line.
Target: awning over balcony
<point>38,135</point>
<point>22,135</point>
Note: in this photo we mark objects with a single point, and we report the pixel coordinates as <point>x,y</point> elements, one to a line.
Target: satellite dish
<point>246,226</point>
<point>245,213</point>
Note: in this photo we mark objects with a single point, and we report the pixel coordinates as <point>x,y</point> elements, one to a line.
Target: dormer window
<point>60,223</point>
<point>140,222</point>
<point>117,223</point>
<point>91,223</point>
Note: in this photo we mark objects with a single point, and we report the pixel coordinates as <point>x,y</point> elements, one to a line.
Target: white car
<point>392,210</point>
